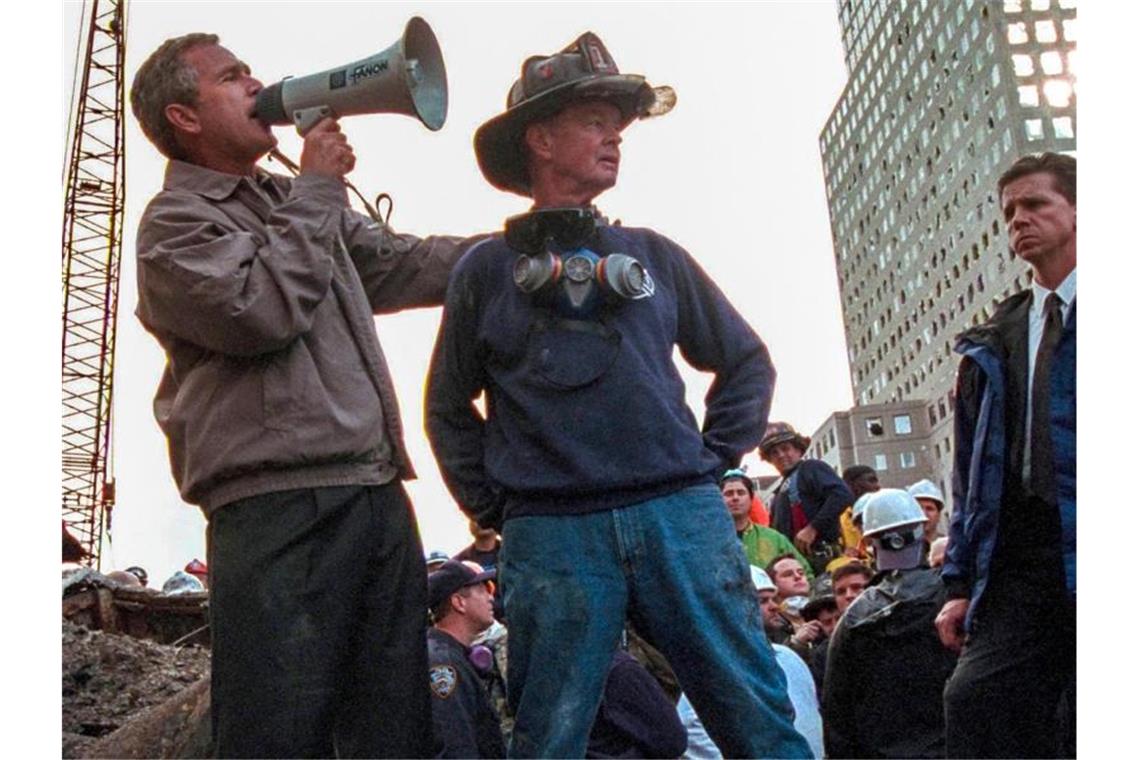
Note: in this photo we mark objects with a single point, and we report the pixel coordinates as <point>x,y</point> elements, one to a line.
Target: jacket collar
<point>208,183</point>
<point>446,638</point>
<point>1010,312</point>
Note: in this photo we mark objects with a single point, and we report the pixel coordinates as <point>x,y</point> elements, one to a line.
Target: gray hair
<point>163,79</point>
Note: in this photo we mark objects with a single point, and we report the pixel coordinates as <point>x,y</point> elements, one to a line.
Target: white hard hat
<point>182,583</point>
<point>925,489</point>
<point>860,506</point>
<point>891,509</point>
<point>760,579</point>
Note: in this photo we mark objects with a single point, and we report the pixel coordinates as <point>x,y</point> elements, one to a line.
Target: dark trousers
<point>318,603</point>
<point>1013,692</point>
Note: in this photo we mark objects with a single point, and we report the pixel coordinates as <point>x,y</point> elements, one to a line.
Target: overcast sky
<point>733,174</point>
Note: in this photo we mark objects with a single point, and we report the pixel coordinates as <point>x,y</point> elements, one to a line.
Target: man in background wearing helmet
<point>886,667</point>
<point>1011,562</point>
<point>588,461</point>
<point>808,501</point>
<point>929,497</point>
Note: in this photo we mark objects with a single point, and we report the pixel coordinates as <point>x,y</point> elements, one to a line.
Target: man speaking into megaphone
<point>281,417</point>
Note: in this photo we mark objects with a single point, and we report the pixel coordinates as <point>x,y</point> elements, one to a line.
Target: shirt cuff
<point>328,190</point>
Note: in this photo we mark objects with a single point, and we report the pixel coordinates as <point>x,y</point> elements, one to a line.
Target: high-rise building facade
<point>893,438</point>
<point>942,97</point>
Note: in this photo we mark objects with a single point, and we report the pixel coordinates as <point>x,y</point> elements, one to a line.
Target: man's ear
<point>537,140</point>
<point>183,118</point>
<point>458,602</point>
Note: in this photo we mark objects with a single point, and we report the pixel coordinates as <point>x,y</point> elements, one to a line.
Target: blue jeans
<point>675,566</point>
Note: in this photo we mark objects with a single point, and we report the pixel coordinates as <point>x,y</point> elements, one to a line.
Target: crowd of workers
<point>651,612</point>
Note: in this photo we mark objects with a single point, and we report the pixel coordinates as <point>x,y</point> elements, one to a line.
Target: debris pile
<point>109,679</point>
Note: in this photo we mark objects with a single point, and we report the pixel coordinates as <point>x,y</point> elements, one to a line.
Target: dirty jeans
<point>318,601</point>
<point>673,565</point>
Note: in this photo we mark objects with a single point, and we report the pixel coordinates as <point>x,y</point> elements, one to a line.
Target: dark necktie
<point>1040,439</point>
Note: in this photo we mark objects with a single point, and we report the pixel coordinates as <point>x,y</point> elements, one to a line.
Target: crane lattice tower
<point>92,240</point>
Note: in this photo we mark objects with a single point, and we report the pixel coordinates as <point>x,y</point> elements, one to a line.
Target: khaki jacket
<point>262,292</point>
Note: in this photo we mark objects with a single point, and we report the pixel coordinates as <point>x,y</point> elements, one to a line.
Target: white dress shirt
<point>1067,292</point>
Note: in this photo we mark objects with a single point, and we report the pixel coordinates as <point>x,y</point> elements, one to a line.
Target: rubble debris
<point>108,679</point>
<point>101,602</point>
<point>176,728</point>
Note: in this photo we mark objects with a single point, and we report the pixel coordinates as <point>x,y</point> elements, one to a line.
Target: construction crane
<point>92,240</point>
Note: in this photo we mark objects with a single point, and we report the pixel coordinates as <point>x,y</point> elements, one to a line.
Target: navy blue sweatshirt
<point>590,414</point>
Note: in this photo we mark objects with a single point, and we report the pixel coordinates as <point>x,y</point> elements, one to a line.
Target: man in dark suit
<point>1010,569</point>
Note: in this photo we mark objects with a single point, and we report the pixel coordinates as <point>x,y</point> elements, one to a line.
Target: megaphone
<point>408,78</point>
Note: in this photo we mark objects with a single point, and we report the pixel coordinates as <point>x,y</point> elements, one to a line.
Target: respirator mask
<point>556,264</point>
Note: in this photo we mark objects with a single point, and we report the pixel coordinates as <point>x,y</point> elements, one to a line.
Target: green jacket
<point>762,545</point>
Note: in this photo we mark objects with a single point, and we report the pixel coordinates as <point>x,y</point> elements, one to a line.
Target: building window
<point>1045,31</point>
<point>906,459</point>
<point>1027,95</point>
<point>1069,27</point>
<point>933,416</point>
<point>1018,33</point>
<point>1058,92</point>
<point>902,424</point>
<point>1034,130</point>
<point>874,426</point>
<point>881,462</point>
<point>941,409</point>
<point>1063,127</point>
<point>1039,5</point>
<point>1022,65</point>
<point>1051,62</point>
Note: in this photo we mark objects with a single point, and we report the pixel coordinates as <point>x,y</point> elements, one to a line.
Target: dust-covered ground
<point>108,678</point>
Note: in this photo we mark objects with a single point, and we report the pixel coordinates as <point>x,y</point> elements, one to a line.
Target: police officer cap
<point>452,576</point>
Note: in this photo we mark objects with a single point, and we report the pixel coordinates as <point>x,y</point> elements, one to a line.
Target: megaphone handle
<point>307,118</point>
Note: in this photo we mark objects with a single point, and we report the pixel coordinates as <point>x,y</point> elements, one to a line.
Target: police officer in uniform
<point>461,597</point>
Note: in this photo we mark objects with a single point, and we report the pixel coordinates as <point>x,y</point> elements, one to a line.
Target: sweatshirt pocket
<point>568,353</point>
